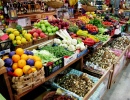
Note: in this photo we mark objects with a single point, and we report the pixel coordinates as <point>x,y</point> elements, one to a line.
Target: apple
<point>34,39</point>
<point>35,34</point>
<point>42,35</point>
<point>34,30</point>
<point>38,31</point>
<point>31,32</point>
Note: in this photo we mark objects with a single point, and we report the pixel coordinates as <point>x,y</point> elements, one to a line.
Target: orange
<point>21,63</point>
<point>27,69</point>
<point>15,58</point>
<point>19,51</point>
<point>36,58</point>
<point>5,57</point>
<point>30,57</point>
<point>18,72</point>
<point>24,56</point>
<point>15,66</point>
<point>38,64</point>
<point>33,69</point>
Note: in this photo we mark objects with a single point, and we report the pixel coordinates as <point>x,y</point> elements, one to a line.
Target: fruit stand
<point>79,57</point>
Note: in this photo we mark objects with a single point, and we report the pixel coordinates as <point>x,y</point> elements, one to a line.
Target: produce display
<point>21,62</point>
<point>18,35</point>
<point>45,56</point>
<point>60,24</point>
<point>106,23</point>
<point>91,14</point>
<point>84,19</point>
<point>37,34</point>
<point>46,27</point>
<point>120,43</point>
<point>102,38</point>
<point>58,51</point>
<point>80,85</point>
<point>71,45</point>
<point>103,58</point>
<point>92,28</point>
<point>96,22</point>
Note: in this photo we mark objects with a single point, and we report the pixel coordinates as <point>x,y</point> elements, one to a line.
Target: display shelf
<point>118,68</point>
<point>36,13</point>
<point>3,70</point>
<point>108,72</point>
<point>17,97</point>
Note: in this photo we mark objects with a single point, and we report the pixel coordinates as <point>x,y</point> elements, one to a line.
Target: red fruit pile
<point>37,34</point>
<point>60,24</point>
<point>91,28</point>
<point>106,23</point>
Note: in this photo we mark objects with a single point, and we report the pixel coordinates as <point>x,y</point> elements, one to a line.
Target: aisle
<point>121,89</point>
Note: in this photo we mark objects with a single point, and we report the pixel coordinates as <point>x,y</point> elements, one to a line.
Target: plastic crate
<point>82,53</point>
<point>5,47</point>
<point>53,66</point>
<point>70,59</point>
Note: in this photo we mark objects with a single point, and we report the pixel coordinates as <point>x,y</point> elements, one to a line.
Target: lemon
<point>24,32</point>
<point>16,33</point>
<point>8,30</point>
<point>30,40</point>
<point>11,36</point>
<point>23,40</point>
<point>18,42</point>
<point>14,30</point>
<point>14,41</point>
<point>28,36</point>
<point>18,38</point>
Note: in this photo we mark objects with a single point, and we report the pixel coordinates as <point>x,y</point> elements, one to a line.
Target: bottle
<point>5,10</point>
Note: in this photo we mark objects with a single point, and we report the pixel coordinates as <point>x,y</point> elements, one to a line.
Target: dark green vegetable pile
<point>58,51</point>
<point>96,22</point>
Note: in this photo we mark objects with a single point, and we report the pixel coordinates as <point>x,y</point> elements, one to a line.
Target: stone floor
<point>121,89</point>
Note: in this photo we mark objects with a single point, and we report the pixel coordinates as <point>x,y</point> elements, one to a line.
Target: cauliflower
<point>57,41</point>
<point>71,48</point>
<point>64,41</point>
<point>74,42</point>
<point>80,46</point>
<point>69,42</point>
<point>65,45</point>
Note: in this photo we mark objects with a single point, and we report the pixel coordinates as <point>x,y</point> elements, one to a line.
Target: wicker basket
<point>55,3</point>
<point>89,8</point>
<point>48,95</point>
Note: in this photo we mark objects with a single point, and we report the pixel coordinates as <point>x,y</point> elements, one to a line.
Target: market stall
<point>79,57</point>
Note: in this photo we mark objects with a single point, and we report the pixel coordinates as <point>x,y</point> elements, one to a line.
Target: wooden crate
<point>23,89</point>
<point>20,82</point>
<point>24,45</point>
<point>119,65</point>
<point>40,40</point>
<point>38,76</point>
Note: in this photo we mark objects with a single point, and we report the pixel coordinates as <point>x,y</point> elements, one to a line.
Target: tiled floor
<point>121,89</point>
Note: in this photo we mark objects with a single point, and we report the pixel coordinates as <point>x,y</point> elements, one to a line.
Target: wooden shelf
<point>3,70</point>
<point>17,97</point>
<point>36,13</point>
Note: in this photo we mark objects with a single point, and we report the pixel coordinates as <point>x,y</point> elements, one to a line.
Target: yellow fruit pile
<point>91,14</point>
<point>17,37</point>
<point>73,2</point>
<point>24,63</point>
<point>84,19</point>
